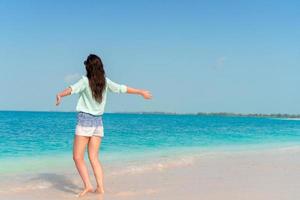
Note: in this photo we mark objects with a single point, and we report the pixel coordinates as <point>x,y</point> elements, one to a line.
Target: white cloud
<point>219,62</point>
<point>71,78</point>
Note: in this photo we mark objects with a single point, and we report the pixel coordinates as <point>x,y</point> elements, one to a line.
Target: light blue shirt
<point>86,102</point>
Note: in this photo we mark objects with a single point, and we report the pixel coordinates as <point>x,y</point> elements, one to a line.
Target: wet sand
<point>254,175</point>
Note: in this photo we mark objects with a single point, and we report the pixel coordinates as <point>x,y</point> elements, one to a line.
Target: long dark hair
<point>96,75</point>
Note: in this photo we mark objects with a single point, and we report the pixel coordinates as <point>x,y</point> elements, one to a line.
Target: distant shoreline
<point>229,114</point>
<point>226,114</point>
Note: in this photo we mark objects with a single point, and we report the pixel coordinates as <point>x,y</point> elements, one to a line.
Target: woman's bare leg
<point>93,149</point>
<point>79,147</point>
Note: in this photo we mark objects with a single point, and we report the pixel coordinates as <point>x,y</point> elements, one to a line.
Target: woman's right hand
<point>146,94</point>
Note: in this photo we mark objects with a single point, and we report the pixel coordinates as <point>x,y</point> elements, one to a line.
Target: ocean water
<point>30,141</point>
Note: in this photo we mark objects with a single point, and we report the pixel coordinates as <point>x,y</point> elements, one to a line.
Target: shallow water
<point>42,139</point>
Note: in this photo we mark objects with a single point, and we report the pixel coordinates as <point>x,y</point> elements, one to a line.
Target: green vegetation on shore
<point>229,114</point>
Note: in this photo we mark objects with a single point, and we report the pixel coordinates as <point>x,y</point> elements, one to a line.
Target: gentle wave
<point>287,119</point>
<point>159,166</point>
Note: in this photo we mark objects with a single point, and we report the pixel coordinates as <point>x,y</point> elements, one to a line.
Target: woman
<point>92,90</point>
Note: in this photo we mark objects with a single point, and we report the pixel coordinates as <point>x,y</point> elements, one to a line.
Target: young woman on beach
<point>92,90</point>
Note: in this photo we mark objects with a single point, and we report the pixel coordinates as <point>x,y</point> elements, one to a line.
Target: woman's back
<point>86,102</point>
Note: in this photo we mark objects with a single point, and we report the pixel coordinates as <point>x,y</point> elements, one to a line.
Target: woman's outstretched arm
<point>64,93</point>
<point>144,93</point>
<point>119,88</point>
<point>77,87</point>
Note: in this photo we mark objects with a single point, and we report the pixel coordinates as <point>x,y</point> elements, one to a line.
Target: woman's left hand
<point>58,99</point>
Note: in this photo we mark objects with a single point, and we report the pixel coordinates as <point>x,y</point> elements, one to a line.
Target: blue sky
<point>195,56</point>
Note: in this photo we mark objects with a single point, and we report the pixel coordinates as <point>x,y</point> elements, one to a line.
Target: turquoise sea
<point>36,140</point>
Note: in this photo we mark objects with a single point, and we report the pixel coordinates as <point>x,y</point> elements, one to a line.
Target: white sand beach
<point>247,175</point>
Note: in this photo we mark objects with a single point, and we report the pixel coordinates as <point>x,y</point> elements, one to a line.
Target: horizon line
<point>171,113</point>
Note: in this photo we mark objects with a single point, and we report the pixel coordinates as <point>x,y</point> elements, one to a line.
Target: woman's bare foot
<point>85,191</point>
<point>99,190</point>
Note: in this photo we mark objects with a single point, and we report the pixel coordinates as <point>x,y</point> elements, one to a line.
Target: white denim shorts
<point>89,125</point>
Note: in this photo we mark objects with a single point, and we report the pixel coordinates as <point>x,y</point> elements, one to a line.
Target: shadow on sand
<point>59,182</point>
